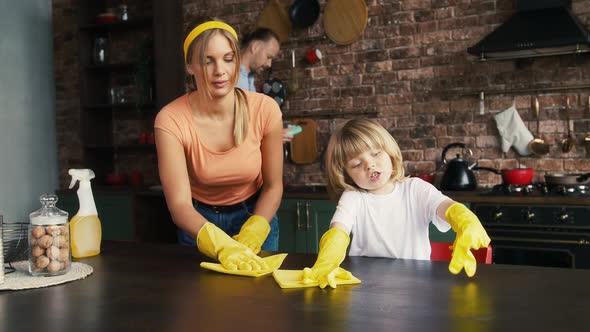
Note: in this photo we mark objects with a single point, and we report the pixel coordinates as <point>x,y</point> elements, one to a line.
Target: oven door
<point>540,247</point>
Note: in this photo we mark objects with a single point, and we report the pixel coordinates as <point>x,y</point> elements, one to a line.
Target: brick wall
<point>67,88</point>
<point>411,69</point>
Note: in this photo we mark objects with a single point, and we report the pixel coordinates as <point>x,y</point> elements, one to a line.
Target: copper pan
<point>567,179</point>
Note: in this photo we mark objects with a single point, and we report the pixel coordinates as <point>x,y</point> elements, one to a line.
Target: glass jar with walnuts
<point>49,239</point>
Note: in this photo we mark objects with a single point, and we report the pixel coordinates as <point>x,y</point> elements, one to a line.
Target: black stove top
<point>540,189</point>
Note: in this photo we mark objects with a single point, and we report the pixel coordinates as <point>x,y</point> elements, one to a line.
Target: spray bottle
<point>85,228</point>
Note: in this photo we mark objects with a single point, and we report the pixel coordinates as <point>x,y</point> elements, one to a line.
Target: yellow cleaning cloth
<point>294,279</point>
<point>274,262</point>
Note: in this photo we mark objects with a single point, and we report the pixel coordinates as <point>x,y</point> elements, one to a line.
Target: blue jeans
<point>231,223</point>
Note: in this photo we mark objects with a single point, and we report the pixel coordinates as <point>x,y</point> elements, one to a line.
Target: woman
<point>220,154</point>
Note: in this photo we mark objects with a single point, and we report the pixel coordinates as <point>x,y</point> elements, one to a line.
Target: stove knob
<point>498,215</point>
<point>530,215</point>
<point>564,217</point>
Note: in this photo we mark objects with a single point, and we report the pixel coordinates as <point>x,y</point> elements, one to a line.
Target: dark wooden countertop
<point>148,287</point>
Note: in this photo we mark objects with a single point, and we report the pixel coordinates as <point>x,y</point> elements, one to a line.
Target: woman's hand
<point>233,255</point>
<point>253,233</point>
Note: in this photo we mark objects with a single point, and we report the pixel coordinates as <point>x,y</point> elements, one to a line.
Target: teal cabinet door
<point>302,223</point>
<point>438,236</point>
<point>320,215</point>
<point>116,216</point>
<point>291,235</point>
<point>115,211</point>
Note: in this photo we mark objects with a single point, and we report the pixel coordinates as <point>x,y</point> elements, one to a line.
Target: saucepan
<point>428,177</point>
<point>304,13</point>
<point>567,179</point>
<point>512,176</point>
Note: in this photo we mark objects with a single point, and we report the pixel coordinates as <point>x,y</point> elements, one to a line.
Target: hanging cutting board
<point>304,148</point>
<point>345,20</point>
<point>275,16</point>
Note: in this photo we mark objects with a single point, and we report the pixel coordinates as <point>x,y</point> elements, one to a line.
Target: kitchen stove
<point>540,189</point>
<point>548,226</point>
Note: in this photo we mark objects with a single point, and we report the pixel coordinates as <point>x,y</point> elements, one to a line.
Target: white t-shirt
<point>394,225</point>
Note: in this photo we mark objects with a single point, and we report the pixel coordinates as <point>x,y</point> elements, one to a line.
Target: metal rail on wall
<point>524,90</point>
<point>328,114</point>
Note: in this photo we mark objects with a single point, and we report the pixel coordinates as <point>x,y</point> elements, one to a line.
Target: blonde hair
<point>354,138</point>
<point>199,45</point>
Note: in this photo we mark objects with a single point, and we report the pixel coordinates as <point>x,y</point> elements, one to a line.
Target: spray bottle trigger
<point>74,176</point>
<point>72,183</point>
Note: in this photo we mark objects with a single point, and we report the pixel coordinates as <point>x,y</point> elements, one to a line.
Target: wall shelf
<point>119,25</point>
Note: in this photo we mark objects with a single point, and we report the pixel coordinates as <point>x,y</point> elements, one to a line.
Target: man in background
<point>258,49</point>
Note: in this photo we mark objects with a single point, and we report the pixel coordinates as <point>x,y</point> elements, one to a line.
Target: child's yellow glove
<point>332,252</point>
<point>470,235</point>
<point>253,233</point>
<point>233,255</point>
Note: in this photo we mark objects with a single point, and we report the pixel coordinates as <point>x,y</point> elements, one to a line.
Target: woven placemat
<point>21,279</point>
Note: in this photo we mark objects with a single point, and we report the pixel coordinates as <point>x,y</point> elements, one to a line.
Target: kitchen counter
<point>149,287</point>
<point>475,196</point>
<point>481,197</point>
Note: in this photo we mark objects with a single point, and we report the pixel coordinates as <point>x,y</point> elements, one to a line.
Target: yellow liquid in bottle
<point>86,234</point>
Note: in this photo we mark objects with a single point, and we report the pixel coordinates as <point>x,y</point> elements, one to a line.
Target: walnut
<point>53,230</point>
<point>52,252</point>
<point>64,254</point>
<point>37,251</point>
<point>45,241</point>
<point>38,231</point>
<point>42,262</point>
<point>54,266</point>
<point>65,229</point>
<point>61,241</point>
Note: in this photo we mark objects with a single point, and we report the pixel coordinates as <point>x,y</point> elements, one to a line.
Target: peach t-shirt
<point>228,177</point>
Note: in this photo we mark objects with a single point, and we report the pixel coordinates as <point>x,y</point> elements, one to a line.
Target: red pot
<point>116,179</point>
<point>426,177</point>
<point>512,176</point>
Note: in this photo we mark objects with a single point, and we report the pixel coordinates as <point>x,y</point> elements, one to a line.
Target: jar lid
<point>48,214</point>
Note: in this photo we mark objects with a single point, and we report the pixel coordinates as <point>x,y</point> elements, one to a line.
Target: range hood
<point>538,28</point>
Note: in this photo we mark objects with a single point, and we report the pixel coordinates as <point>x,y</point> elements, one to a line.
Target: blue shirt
<point>246,81</point>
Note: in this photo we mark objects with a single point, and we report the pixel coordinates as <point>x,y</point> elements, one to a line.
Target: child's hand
<point>310,276</point>
<point>333,246</point>
<point>470,235</point>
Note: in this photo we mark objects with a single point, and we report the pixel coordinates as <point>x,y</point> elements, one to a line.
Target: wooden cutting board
<point>345,20</point>
<point>275,16</point>
<point>304,148</point>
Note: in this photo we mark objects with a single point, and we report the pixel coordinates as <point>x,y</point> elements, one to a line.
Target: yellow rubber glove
<point>233,255</point>
<point>332,252</point>
<point>253,233</point>
<point>470,235</point>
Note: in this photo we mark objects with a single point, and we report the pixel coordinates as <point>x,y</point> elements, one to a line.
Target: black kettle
<point>458,174</point>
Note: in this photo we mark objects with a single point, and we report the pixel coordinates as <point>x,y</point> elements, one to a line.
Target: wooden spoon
<point>567,143</point>
<point>538,145</point>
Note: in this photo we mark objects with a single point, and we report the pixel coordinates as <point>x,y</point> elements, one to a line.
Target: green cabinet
<point>115,211</point>
<point>302,222</point>
<point>438,236</point>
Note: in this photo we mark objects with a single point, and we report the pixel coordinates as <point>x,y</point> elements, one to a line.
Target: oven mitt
<point>294,278</point>
<point>215,243</point>
<point>470,235</point>
<point>513,131</point>
<point>332,252</point>
<point>253,233</point>
<point>273,262</point>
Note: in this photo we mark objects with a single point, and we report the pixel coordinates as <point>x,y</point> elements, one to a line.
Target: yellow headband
<point>199,29</point>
